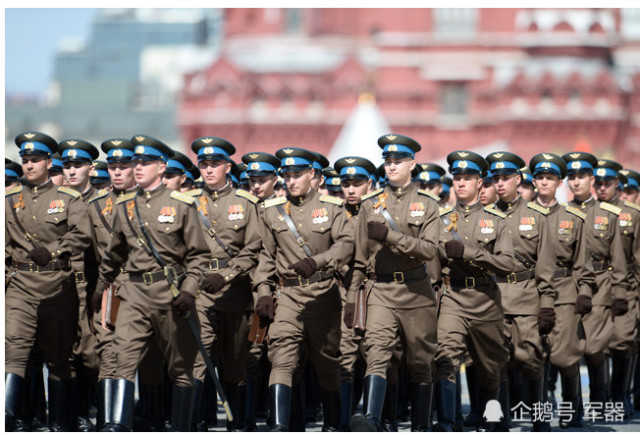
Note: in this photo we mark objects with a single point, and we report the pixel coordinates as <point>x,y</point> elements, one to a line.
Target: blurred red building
<point>529,80</point>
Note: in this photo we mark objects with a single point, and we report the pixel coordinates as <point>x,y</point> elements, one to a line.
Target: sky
<point>31,38</point>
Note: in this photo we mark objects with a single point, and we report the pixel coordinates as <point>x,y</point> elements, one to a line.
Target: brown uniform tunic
<point>307,313</point>
<point>43,304</point>
<point>232,214</point>
<point>604,245</point>
<point>471,314</point>
<point>145,312</point>
<point>398,307</point>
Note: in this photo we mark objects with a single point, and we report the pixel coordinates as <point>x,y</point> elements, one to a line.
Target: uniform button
<point>417,222</point>
<point>397,218</point>
<point>167,229</point>
<point>146,224</point>
<point>321,228</point>
<point>35,200</point>
<point>148,206</point>
<point>486,240</point>
<point>235,226</point>
<point>55,219</point>
<point>34,218</point>
<point>466,238</point>
<point>215,205</point>
<point>466,220</point>
<point>299,225</point>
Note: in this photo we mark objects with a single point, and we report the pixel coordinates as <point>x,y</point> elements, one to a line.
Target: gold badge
<point>208,150</point>
<point>393,148</point>
<point>498,155</point>
<point>207,140</point>
<point>117,153</point>
<point>73,154</point>
<point>93,173</point>
<point>601,172</point>
<point>547,156</point>
<point>28,146</point>
<point>72,142</point>
<point>140,138</point>
<point>350,161</point>
<point>254,166</point>
<point>463,154</point>
<point>254,156</point>
<point>391,136</point>
<point>29,135</point>
<point>574,155</point>
<point>351,170</point>
<point>116,142</point>
<point>335,181</point>
<point>601,163</point>
<point>463,164</point>
<point>624,172</point>
<point>500,165</point>
<point>424,176</point>
<point>139,149</point>
<point>546,165</point>
<point>287,151</point>
<point>289,161</point>
<point>575,165</point>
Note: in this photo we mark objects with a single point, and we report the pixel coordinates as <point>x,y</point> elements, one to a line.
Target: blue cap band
<point>34,147</point>
<point>100,173</point>
<point>397,149</point>
<point>354,170</point>
<point>56,165</point>
<point>244,176</point>
<point>119,154</point>
<point>547,167</point>
<point>75,154</point>
<point>632,183</point>
<point>446,188</point>
<point>294,161</point>
<point>605,173</point>
<point>333,184</point>
<point>150,153</point>
<point>10,173</point>
<point>212,153</point>
<point>464,166</point>
<point>526,178</point>
<point>579,165</point>
<point>234,179</point>
<point>374,178</point>
<point>260,167</point>
<point>316,165</point>
<point>504,166</point>
<point>426,176</point>
<point>175,166</point>
<point>189,176</point>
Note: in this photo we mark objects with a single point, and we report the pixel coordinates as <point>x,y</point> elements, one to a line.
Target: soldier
<point>526,189</point>
<point>630,186</point>
<point>153,226</point>
<point>229,219</point>
<point>12,174</point>
<point>604,245</point>
<point>623,343</point>
<point>445,195</point>
<point>55,170</point>
<point>306,239</point>
<point>332,182</point>
<point>396,234</point>
<point>488,193</point>
<point>476,246</point>
<point>100,175</point>
<point>319,163</point>
<point>430,178</point>
<point>191,175</point>
<point>573,279</point>
<point>176,172</point>
<point>527,293</point>
<point>45,225</point>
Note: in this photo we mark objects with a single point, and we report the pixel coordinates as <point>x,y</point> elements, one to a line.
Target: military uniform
<point>41,302</point>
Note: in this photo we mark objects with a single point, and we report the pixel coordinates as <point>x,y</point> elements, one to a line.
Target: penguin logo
<point>493,412</point>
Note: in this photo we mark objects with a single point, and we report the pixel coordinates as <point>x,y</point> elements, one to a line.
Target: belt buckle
<point>212,232</point>
<point>300,241</point>
<point>400,275</point>
<point>169,271</point>
<point>147,278</point>
<point>217,264</point>
<point>469,282</point>
<point>34,267</point>
<point>78,275</point>
<point>512,278</point>
<point>302,282</point>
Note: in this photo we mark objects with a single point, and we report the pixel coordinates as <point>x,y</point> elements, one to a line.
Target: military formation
<point>283,288</point>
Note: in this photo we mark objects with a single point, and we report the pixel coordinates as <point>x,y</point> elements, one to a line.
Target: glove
<point>184,303</point>
<point>583,305</point>
<point>40,255</point>
<point>377,231</point>
<point>349,312</point>
<point>546,320</point>
<point>619,307</point>
<point>213,283</point>
<point>96,301</point>
<point>454,249</point>
<point>305,267</point>
<point>264,310</point>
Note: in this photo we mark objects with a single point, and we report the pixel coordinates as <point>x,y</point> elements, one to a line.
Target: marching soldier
<point>430,178</point>
<point>526,189</point>
<point>527,293</point>
<point>157,239</point>
<point>55,171</point>
<point>45,225</point>
<point>12,174</point>
<point>445,195</point>
<point>396,234</point>
<point>332,182</point>
<point>100,175</point>
<point>488,193</point>
<point>604,245</point>
<point>320,162</point>
<point>306,239</point>
<point>178,167</point>
<point>191,175</point>
<point>630,186</point>
<point>476,246</point>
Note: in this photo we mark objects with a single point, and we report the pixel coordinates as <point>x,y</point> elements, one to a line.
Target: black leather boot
<point>181,408</point>
<point>572,392</point>
<point>484,423</point>
<point>330,410</point>
<point>105,390</point>
<point>446,406</point>
<point>374,390</point>
<point>61,414</point>
<point>389,421</point>
<point>472,384</point>
<point>628,397</point>
<point>597,383</point>
<point>237,397</point>
<point>535,391</point>
<point>154,406</point>
<point>13,385</point>
<point>297,413</point>
<point>250,405</point>
<point>281,407</point>
<point>421,397</point>
<point>504,398</point>
<point>346,400</point>
<point>210,404</point>
<point>621,380</point>
<point>84,386</point>
<point>121,405</point>
<point>198,423</point>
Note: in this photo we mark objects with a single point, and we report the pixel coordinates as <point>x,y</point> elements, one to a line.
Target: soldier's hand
<point>454,249</point>
<point>377,231</point>
<point>349,313</point>
<point>184,303</point>
<point>264,310</point>
<point>96,301</point>
<point>583,305</point>
<point>40,255</point>
<point>619,307</point>
<point>305,267</point>
<point>213,283</point>
<point>546,320</point>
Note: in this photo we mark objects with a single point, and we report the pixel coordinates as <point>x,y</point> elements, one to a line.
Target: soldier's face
<point>77,173</point>
<point>466,187</point>
<point>488,194</point>
<point>630,195</point>
<point>148,173</point>
<point>57,178</point>
<point>399,170</point>
<point>526,191</point>
<point>173,181</point>
<point>262,186</point>
<point>506,186</point>
<point>547,184</point>
<point>36,168</point>
<point>605,189</point>
<point>121,174</point>
<point>214,172</point>
<point>298,183</point>
<point>433,187</point>
<point>317,181</point>
<point>580,185</point>
<point>353,190</point>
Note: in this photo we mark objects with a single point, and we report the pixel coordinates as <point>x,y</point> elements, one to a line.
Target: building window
<point>453,99</point>
<point>455,21</point>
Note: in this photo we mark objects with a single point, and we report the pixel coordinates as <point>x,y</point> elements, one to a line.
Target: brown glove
<point>454,249</point>
<point>213,283</point>
<point>40,255</point>
<point>184,303</point>
<point>264,310</point>
<point>305,267</point>
<point>377,231</point>
<point>583,305</point>
<point>349,313</point>
<point>619,307</point>
<point>546,320</point>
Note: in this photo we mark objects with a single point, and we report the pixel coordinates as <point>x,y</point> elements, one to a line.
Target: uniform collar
<point>588,203</point>
<point>215,194</point>
<point>400,192</point>
<point>353,209</point>
<point>47,185</point>
<point>149,194</point>
<point>553,208</point>
<point>509,207</point>
<point>466,209</point>
<point>89,193</point>
<point>301,200</point>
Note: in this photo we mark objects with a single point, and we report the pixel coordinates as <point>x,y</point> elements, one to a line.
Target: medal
<point>319,215</point>
<point>236,212</point>
<point>527,223</point>
<point>167,215</point>
<point>486,226</point>
<point>601,223</point>
<point>625,220</point>
<point>416,209</point>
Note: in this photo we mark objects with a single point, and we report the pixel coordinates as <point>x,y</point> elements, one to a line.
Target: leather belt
<point>513,278</point>
<point>562,272</point>
<point>600,265</point>
<point>472,281</point>
<point>417,274</point>
<point>152,277</point>
<point>79,276</point>
<point>50,266</point>
<point>218,263</point>
<point>303,282</point>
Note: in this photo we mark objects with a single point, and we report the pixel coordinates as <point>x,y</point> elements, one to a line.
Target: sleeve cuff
<point>547,302</point>
<point>619,293</point>
<point>393,237</point>
<point>585,290</point>
<point>264,290</point>
<point>470,253</point>
<point>190,286</point>
<point>320,260</point>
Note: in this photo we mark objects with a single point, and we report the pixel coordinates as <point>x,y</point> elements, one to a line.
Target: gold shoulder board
<point>101,194</point>
<point>275,201</point>
<point>429,194</point>
<point>632,205</point>
<point>182,197</point>
<point>538,208</point>
<point>495,211</point>
<point>610,207</point>
<point>576,212</point>
<point>69,191</point>
<point>193,192</point>
<point>445,210</point>
<point>332,200</point>
<point>372,194</point>
<point>126,197</point>
<point>13,190</point>
<point>244,194</point>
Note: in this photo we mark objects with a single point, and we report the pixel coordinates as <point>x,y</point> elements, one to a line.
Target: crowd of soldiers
<point>331,284</point>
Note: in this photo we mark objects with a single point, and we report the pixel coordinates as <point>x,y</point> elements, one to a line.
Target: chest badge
<point>319,215</point>
<point>416,209</point>
<point>601,223</point>
<point>236,212</point>
<point>625,220</point>
<point>527,223</point>
<point>167,215</point>
<point>486,226</point>
<point>56,206</point>
<point>565,228</point>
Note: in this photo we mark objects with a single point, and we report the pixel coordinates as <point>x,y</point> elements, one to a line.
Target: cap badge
<point>93,173</point>
<point>547,156</point>
<point>72,142</point>
<point>393,148</point>
<point>254,156</point>
<point>335,181</point>
<point>116,142</point>
<point>424,176</point>
<point>207,140</point>
<point>140,138</point>
<point>289,161</point>
<point>574,155</point>
<point>601,172</point>
<point>287,151</point>
<point>208,150</point>
<point>463,154</point>
<point>117,153</point>
<point>391,136</point>
<point>500,165</point>
<point>601,163</point>
<point>28,146</point>
<point>463,164</point>
<point>73,154</point>
<point>351,170</point>
<point>498,155</point>
<point>254,166</point>
<point>624,172</point>
<point>575,165</point>
<point>29,135</point>
<point>546,165</point>
<point>139,149</point>
<point>350,161</point>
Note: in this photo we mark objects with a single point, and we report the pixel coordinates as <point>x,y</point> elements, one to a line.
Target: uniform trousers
<point>625,330</point>
<point>598,328</point>
<point>567,339</point>
<point>525,344</point>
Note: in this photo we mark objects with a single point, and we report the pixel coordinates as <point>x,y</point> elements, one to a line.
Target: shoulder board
<point>126,197</point>
<point>538,208</point>
<point>372,194</point>
<point>246,195</point>
<point>495,211</point>
<point>429,194</point>
<point>610,207</point>
<point>445,210</point>
<point>193,192</point>
<point>182,197</point>
<point>69,191</point>
<point>13,190</point>
<point>632,205</point>
<point>576,212</point>
<point>564,204</point>
<point>275,201</point>
<point>331,199</point>
<point>101,194</point>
